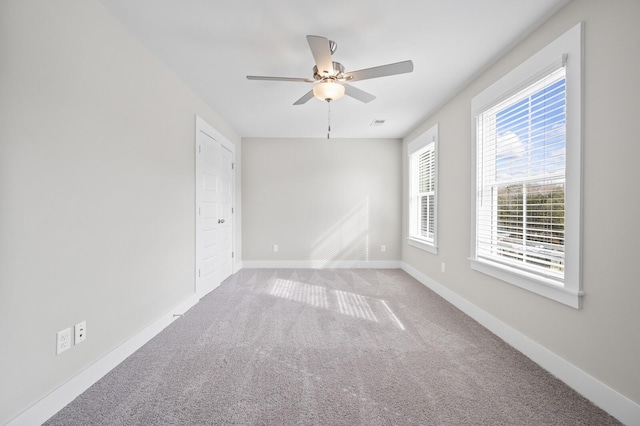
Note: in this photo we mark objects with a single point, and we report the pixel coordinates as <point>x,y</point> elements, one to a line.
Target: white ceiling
<point>212,45</point>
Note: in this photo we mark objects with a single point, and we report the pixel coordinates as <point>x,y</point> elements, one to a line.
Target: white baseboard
<point>613,402</point>
<point>320,264</point>
<point>44,409</point>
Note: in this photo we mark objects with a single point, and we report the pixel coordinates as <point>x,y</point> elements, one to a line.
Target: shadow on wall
<point>347,239</point>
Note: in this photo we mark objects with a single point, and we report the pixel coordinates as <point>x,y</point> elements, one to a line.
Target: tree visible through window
<point>531,218</point>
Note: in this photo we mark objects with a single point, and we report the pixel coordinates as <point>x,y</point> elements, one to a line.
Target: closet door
<point>214,210</point>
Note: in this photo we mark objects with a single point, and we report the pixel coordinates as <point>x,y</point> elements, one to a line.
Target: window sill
<point>539,285</point>
<point>422,245</point>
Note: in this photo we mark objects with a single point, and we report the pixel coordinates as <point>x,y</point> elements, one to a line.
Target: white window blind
<point>424,202</point>
<point>423,190</point>
<point>521,164</point>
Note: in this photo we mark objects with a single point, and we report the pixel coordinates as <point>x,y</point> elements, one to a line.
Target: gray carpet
<point>327,347</point>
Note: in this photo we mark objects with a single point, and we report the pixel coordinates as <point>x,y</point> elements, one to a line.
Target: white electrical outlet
<point>63,340</point>
<point>275,248</point>
<point>442,268</point>
<point>80,331</point>
<point>383,248</point>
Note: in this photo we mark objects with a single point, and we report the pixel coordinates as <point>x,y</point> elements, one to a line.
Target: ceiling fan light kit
<point>328,91</point>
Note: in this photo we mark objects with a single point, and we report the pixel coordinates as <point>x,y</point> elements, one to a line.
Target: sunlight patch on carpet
<point>343,302</point>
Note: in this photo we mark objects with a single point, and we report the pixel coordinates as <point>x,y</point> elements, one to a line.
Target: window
<point>521,164</point>
<point>423,190</point>
<point>527,149</point>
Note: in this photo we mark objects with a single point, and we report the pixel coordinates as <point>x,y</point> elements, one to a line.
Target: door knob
<point>220,220</point>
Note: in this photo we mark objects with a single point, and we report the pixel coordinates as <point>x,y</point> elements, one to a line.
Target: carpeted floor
<point>327,347</point>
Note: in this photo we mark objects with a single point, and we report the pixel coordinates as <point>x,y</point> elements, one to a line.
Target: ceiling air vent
<point>376,123</point>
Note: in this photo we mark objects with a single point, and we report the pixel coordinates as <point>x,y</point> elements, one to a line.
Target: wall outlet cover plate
<point>80,332</point>
<point>63,340</point>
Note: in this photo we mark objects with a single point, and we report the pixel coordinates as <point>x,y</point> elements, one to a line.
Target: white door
<point>214,209</point>
<point>225,206</point>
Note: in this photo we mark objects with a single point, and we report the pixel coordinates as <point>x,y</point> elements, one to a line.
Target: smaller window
<point>423,191</point>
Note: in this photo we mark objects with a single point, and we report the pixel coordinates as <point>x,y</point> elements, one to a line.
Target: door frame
<point>201,126</point>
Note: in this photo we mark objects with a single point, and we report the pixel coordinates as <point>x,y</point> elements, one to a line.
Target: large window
<point>423,190</point>
<point>521,165</point>
<point>527,174</point>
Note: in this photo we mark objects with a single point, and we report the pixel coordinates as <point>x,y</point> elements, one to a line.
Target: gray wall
<point>603,338</point>
<point>321,200</point>
<point>96,190</point>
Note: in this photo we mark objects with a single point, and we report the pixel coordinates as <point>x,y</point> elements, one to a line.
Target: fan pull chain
<point>329,121</point>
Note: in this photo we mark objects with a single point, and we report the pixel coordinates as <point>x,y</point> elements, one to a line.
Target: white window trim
<point>428,137</point>
<point>569,47</point>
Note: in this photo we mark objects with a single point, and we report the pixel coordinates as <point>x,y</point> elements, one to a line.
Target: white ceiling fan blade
<point>305,98</point>
<point>321,52</point>
<point>381,71</point>
<point>358,94</point>
<point>300,79</point>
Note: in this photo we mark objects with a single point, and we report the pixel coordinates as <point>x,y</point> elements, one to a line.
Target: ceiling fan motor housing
<point>338,72</point>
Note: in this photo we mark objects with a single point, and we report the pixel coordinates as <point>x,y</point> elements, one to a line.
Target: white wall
<point>96,190</point>
<point>323,202</point>
<point>603,338</point>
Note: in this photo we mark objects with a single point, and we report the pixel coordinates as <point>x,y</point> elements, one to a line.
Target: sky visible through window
<point>531,135</point>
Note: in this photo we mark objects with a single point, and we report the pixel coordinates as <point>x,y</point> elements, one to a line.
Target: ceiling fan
<point>330,78</point>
